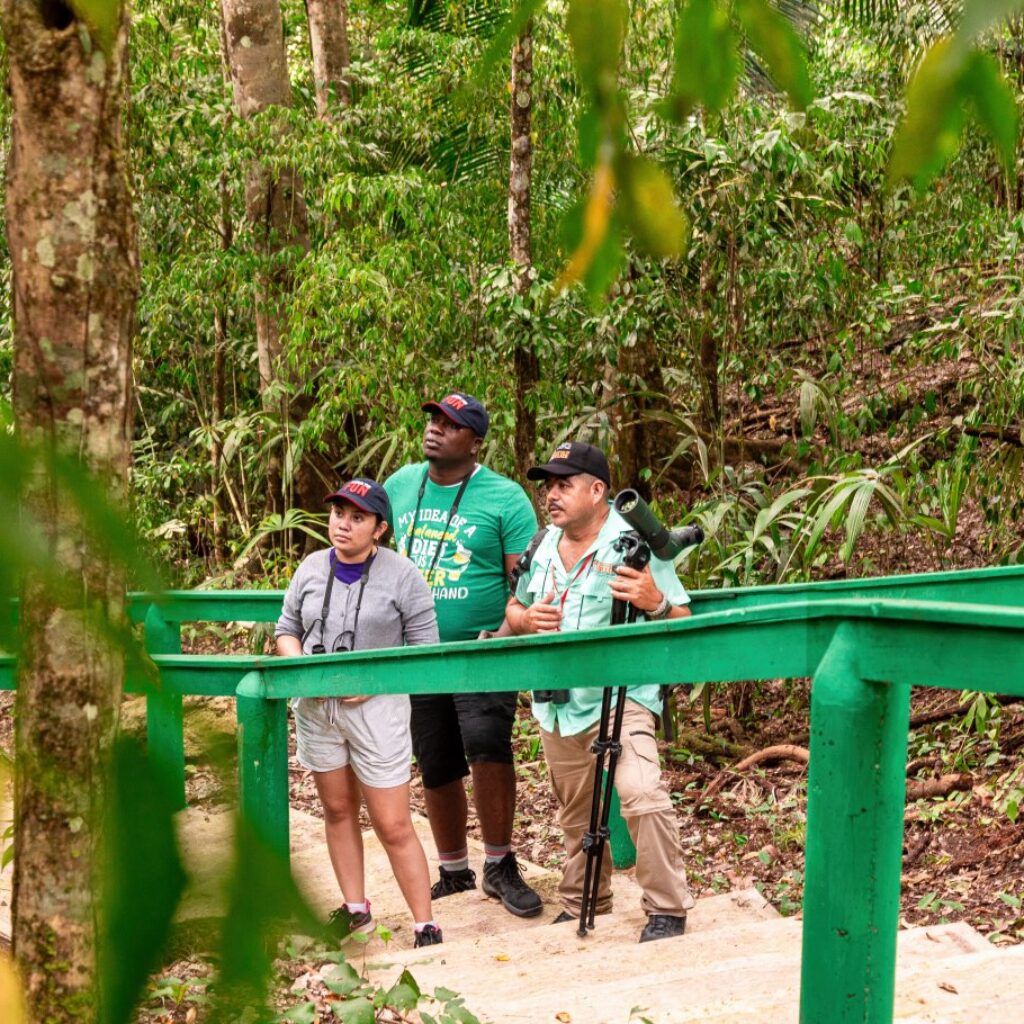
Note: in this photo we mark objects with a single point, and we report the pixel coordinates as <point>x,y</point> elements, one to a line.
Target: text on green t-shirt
<point>467,550</point>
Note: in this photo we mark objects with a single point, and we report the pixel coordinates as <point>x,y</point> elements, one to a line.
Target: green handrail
<point>864,642</point>
<point>165,612</point>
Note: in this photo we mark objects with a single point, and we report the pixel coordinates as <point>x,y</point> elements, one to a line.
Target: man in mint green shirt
<point>464,526</point>
<point>574,576</point>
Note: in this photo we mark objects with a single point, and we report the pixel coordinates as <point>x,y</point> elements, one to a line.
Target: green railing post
<point>621,842</point>
<point>856,790</point>
<point>165,724</point>
<point>263,762</point>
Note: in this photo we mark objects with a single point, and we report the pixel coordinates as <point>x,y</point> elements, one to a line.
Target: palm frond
<point>460,157</point>
<point>478,18</point>
<point>869,12</point>
<point>801,14</point>
<point>893,18</point>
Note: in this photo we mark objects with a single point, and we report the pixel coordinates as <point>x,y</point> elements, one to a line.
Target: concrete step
<point>757,979</point>
<point>206,841</point>
<point>603,978</point>
<point>542,951</point>
<point>970,988</point>
<point>661,991</point>
<point>738,962</point>
<point>987,985</point>
<point>584,977</point>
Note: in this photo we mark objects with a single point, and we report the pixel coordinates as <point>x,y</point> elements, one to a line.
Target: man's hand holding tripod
<point>636,587</point>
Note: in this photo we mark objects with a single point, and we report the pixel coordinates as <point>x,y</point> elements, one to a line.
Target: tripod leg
<point>625,613</point>
<point>614,749</point>
<point>590,838</point>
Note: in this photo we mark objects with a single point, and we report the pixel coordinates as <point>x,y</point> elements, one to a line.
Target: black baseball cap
<point>365,494</point>
<point>570,458</point>
<point>465,410</point>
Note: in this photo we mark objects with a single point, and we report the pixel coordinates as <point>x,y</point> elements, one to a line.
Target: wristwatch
<point>661,612</point>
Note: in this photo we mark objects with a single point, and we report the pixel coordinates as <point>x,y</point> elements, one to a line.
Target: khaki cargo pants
<point>646,808</point>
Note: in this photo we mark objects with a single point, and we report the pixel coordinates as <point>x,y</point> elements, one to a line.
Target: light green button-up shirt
<point>587,604</point>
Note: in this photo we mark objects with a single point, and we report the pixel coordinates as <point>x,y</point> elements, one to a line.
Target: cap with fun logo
<point>570,458</point>
<point>462,409</point>
<point>365,494</point>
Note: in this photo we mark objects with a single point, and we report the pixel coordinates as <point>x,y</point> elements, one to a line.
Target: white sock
<point>420,925</point>
<point>358,908</point>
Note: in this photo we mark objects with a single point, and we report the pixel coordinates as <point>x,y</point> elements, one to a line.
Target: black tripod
<point>636,553</point>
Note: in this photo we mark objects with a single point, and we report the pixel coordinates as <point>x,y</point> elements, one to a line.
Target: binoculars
<point>551,696</point>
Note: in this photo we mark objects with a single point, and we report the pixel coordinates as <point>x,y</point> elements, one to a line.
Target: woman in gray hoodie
<point>359,596</point>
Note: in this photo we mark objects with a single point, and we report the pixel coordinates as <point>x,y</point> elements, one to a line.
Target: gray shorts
<point>373,737</point>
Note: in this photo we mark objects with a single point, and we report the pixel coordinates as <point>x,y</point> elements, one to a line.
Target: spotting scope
<point>665,544</point>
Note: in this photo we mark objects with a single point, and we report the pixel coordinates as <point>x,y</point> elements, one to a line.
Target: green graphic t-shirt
<point>468,581</point>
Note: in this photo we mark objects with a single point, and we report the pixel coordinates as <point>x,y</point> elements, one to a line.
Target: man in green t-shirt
<point>464,526</point>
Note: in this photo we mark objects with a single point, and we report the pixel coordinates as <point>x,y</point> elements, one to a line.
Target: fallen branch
<point>916,849</point>
<point>940,714</point>
<point>709,746</point>
<point>1007,435</point>
<point>936,714</point>
<point>942,786</point>
<point>914,766</point>
<point>916,790</point>
<point>1012,743</point>
<point>779,752</point>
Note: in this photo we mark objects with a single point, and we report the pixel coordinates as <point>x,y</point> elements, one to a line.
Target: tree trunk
<point>254,45</point>
<point>218,513</point>
<point>524,358</point>
<point>226,230</point>
<point>328,42</point>
<point>637,390</point>
<point>73,249</point>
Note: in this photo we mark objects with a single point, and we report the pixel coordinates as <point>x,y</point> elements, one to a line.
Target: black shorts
<point>451,731</point>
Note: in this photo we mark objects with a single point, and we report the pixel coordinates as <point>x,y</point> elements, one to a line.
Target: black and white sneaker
<point>504,881</point>
<point>343,922</point>
<point>429,935</point>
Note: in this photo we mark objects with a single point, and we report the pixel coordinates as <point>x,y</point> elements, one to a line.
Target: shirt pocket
<point>597,587</point>
<point>539,582</point>
<point>595,608</point>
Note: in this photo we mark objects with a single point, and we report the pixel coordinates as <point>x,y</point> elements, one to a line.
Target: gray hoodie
<point>396,610</point>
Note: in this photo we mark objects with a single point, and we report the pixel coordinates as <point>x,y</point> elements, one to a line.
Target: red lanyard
<point>579,572</point>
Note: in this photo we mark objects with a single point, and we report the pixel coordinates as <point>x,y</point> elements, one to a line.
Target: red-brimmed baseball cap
<point>365,494</point>
<point>465,410</point>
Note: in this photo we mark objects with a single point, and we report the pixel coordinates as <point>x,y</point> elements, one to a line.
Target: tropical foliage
<point>776,272</point>
<point>817,307</point>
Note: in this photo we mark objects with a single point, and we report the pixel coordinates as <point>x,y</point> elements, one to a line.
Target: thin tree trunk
<point>524,358</point>
<point>71,237</point>
<point>226,228</point>
<point>328,43</point>
<point>254,45</point>
<point>636,389</point>
<point>220,333</point>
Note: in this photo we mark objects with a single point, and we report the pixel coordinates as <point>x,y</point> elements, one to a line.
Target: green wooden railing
<point>865,643</point>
